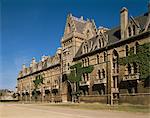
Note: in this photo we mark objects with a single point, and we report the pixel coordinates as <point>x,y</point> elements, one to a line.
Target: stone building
<point>101,47</point>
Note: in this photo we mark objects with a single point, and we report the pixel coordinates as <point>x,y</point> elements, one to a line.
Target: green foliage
<point>77,71</point>
<point>141,58</point>
<point>38,80</point>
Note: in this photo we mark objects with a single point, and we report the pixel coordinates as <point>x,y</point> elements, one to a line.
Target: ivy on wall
<point>38,81</point>
<point>141,58</point>
<point>77,71</point>
<point>76,75</point>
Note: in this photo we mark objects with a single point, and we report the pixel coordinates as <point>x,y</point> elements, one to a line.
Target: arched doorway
<point>66,89</point>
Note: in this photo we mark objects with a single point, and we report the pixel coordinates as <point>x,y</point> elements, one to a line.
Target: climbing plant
<point>76,75</point>
<point>141,58</point>
<point>77,71</point>
<point>38,81</point>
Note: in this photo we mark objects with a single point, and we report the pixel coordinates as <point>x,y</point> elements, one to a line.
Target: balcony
<point>114,90</point>
<point>100,81</point>
<point>131,77</point>
<point>84,83</point>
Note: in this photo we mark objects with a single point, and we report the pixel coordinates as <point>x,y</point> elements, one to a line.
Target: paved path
<point>40,111</point>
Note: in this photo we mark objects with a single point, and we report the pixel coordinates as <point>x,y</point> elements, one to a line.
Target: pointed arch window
<point>88,62</point>
<point>99,43</point>
<point>102,43</point>
<point>97,59</point>
<point>129,69</point>
<point>127,50</point>
<point>136,47</point>
<point>135,68</point>
<point>105,56</point>
<point>82,62</point>
<point>115,61</point>
<point>134,30</point>
<point>103,73</point>
<point>129,31</point>
<point>99,74</point>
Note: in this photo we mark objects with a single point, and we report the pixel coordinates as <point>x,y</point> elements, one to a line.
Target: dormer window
<point>129,31</point>
<point>85,48</point>
<point>134,30</point>
<point>102,43</point>
<point>99,43</point>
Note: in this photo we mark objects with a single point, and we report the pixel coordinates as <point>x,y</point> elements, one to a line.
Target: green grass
<point>98,106</point>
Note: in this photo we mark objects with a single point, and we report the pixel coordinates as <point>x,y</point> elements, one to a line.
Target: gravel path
<point>38,111</point>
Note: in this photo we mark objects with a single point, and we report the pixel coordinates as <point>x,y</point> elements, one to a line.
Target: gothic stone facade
<point>101,47</point>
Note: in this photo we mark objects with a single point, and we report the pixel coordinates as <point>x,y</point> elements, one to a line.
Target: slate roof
<point>79,26</point>
<point>114,35</point>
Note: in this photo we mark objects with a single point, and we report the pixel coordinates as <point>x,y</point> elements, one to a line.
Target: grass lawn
<point>98,106</point>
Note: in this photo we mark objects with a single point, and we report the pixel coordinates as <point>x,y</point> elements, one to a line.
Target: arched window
<point>129,69</point>
<point>104,56</point>
<point>84,49</point>
<point>115,61</point>
<point>82,62</point>
<point>127,50</point>
<point>99,43</point>
<point>102,43</point>
<point>134,30</point>
<point>68,66</point>
<point>85,62</point>
<point>97,59</point>
<point>135,67</point>
<point>103,73</point>
<point>88,61</point>
<point>136,47</point>
<point>129,31</point>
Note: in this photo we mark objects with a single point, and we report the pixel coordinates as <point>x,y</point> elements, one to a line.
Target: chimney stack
<point>23,66</point>
<point>33,60</point>
<point>124,22</point>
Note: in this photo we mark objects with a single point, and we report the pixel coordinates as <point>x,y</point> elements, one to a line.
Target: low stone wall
<point>93,98</point>
<point>139,98</point>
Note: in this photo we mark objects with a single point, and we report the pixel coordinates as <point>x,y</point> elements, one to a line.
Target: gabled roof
<point>114,35</point>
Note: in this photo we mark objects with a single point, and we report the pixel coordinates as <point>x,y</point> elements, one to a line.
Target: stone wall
<point>139,98</point>
<point>90,99</point>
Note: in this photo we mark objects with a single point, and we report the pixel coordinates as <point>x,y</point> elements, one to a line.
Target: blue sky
<point>32,28</point>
